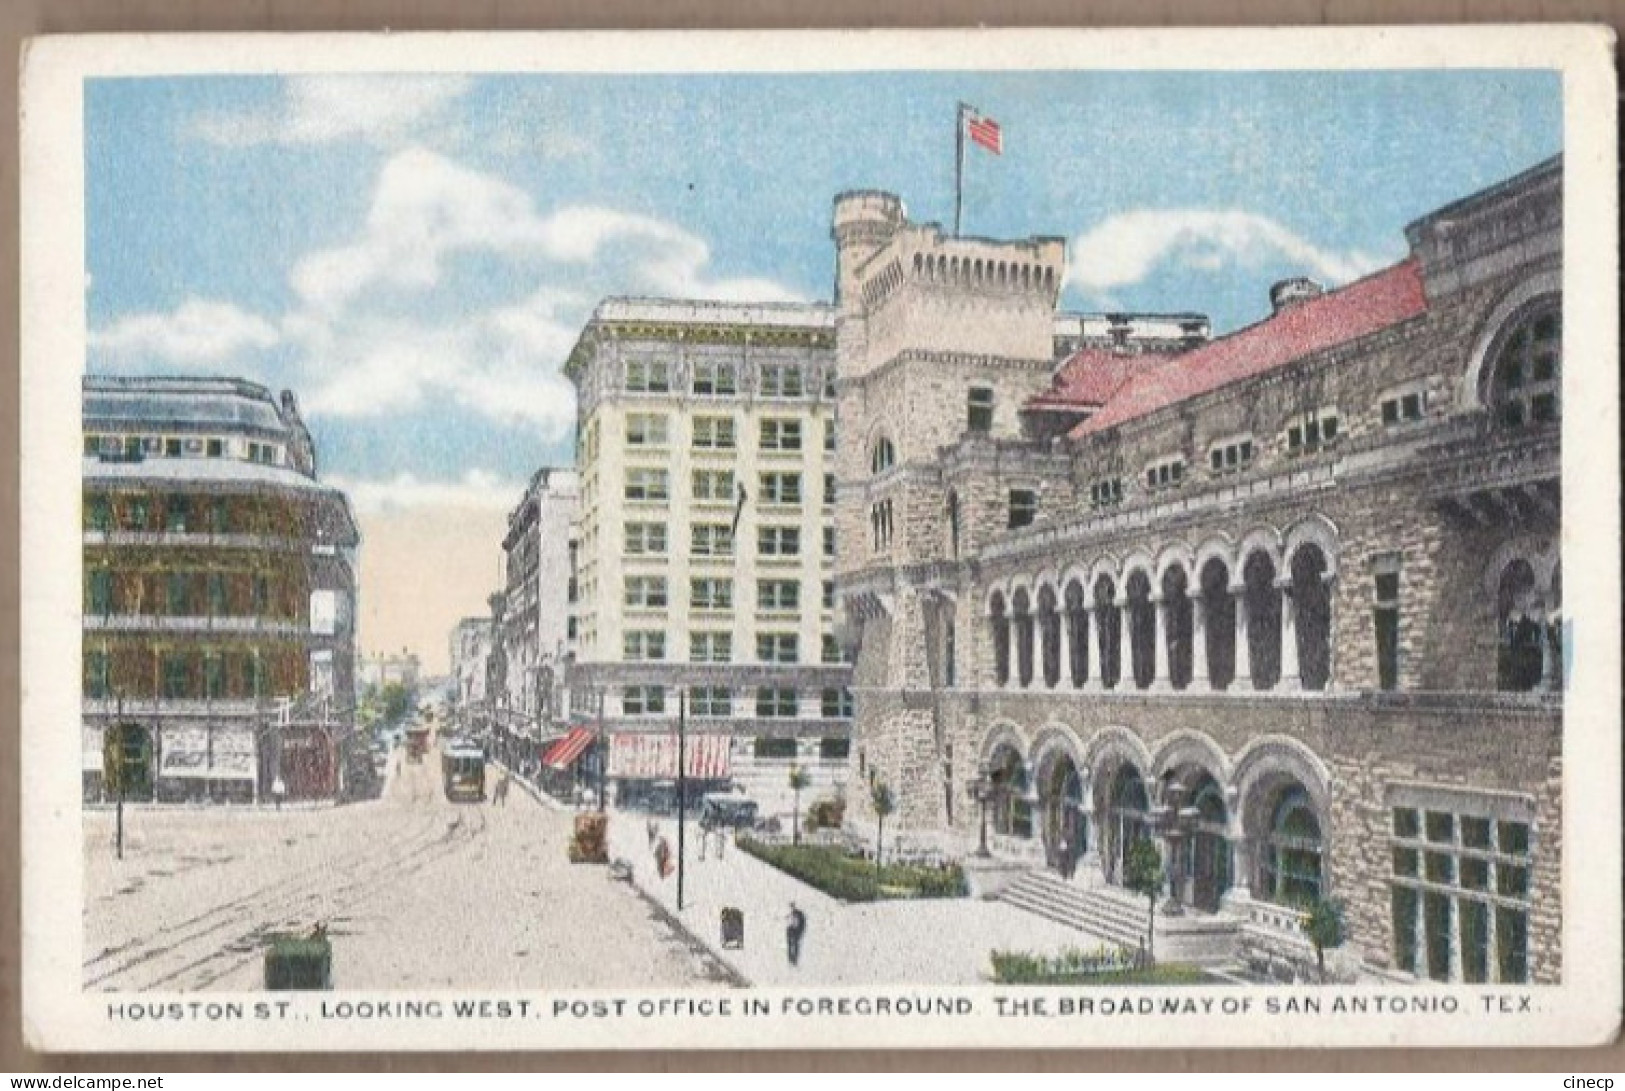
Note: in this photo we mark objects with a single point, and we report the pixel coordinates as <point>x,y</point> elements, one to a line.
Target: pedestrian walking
<point>795,930</point>
<point>499,794</point>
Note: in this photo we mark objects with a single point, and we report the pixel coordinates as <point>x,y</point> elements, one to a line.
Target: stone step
<point>1100,913</point>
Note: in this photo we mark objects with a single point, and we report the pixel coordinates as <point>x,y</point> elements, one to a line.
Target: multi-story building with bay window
<point>219,593</point>
<point>704,563</point>
<point>1285,603</point>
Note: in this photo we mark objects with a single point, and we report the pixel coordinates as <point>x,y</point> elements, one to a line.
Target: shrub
<point>1100,966</point>
<point>589,844</point>
<point>826,814</point>
<point>853,879</point>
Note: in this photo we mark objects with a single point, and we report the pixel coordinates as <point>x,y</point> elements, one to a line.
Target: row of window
<point>709,433</point>
<point>647,483</point>
<point>717,540</point>
<point>649,645</point>
<point>138,448</point>
<point>189,594</point>
<point>181,513</point>
<point>207,673</point>
<point>772,702</point>
<point>720,379</point>
<point>717,593</point>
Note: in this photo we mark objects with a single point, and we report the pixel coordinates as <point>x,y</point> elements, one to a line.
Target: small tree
<point>799,779</point>
<point>1143,874</point>
<point>881,798</point>
<point>1323,924</point>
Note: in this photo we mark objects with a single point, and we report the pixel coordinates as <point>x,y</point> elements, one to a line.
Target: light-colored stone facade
<point>1287,602</point>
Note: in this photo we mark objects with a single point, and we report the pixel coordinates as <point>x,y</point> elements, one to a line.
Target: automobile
<point>725,810</point>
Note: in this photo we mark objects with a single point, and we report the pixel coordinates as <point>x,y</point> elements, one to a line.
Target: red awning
<point>562,754</point>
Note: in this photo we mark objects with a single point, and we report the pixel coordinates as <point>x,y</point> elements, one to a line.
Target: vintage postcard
<point>835,539</point>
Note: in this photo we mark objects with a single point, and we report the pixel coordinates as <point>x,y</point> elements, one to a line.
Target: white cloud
<point>198,333</point>
<point>1125,248</point>
<point>427,208</point>
<point>477,488</point>
<point>322,109</point>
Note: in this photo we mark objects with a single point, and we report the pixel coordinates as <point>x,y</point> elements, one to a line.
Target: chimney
<point>1292,291</point>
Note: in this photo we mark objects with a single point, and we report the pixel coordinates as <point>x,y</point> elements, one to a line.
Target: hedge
<point>854,879</point>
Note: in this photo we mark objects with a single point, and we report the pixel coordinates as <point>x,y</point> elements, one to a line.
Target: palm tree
<point>881,798</point>
<point>1143,874</point>
<point>1323,924</point>
<point>799,779</point>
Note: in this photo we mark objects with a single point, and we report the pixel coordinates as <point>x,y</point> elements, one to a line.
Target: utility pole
<point>682,790</point>
<point>118,752</point>
<point>603,751</point>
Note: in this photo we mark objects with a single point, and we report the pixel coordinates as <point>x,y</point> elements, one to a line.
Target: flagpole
<point>959,167</point>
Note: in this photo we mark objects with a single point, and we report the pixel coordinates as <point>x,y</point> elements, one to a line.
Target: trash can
<point>733,928</point>
<point>299,962</point>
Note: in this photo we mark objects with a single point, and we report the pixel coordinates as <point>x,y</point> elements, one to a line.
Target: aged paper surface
<point>1170,428</point>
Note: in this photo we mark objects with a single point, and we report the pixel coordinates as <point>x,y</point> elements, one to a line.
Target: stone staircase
<point>1117,916</point>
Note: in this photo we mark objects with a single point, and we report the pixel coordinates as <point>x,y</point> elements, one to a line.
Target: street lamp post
<point>1177,824</point>
<point>981,789</point>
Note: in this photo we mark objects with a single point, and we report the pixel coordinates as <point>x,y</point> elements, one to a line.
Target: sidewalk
<point>923,941</point>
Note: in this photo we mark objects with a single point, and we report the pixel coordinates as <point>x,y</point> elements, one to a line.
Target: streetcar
<point>417,742</point>
<point>462,766</point>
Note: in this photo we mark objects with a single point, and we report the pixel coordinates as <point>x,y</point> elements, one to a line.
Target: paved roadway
<point>416,892</point>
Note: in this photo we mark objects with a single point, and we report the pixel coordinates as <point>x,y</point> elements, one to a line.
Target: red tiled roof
<point>1090,377</point>
<point>1380,300</point>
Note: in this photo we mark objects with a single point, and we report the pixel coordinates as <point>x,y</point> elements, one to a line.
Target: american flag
<point>984,131</point>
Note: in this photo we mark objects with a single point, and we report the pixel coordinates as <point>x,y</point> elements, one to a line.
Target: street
<point>415,892</point>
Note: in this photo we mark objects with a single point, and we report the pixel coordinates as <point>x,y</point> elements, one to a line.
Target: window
<point>646,591</point>
<point>216,448</point>
<point>715,380</point>
<point>1385,616</point>
<point>1167,474</point>
<point>645,539</point>
<point>711,540</point>
<point>175,675</point>
<point>100,583</point>
<point>98,682</point>
<point>711,701</point>
<point>217,594</point>
<point>648,376</point>
<point>780,435</point>
<point>1404,406</point>
<point>829,649</point>
<point>829,541</point>
<point>172,448</point>
<point>219,516</point>
<point>714,485</point>
<point>836,704</point>
<point>834,749</point>
<point>781,381</point>
<point>1231,455</point>
<point>776,647</point>
<point>775,702</point>
<point>1526,385</point>
<point>643,700</point>
<point>1312,431</point>
<point>828,601</point>
<point>979,409</point>
<point>711,594</point>
<point>641,645</point>
<point>1460,885</point>
<point>778,595</point>
<point>647,430</point>
<point>101,512</point>
<point>643,483</point>
<point>883,457</point>
<point>135,514</point>
<point>715,434</point>
<point>781,488</point>
<point>829,490</point>
<point>776,541</point>
<point>214,675</point>
<point>706,647</point>
<point>1292,851</point>
<point>1023,507</point>
<point>829,435</point>
<point>178,596</point>
<point>1106,494</point>
<point>177,513</point>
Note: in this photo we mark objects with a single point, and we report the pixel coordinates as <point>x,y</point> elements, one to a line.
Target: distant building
<point>219,593</point>
<point>378,671</point>
<point>470,655</point>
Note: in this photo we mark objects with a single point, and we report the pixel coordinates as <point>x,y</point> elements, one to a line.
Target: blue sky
<point>414,255</point>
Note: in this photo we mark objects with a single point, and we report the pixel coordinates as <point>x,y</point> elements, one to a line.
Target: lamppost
<point>982,790</point>
<point>1177,825</point>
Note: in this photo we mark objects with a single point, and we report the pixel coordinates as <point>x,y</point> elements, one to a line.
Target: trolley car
<point>462,766</point>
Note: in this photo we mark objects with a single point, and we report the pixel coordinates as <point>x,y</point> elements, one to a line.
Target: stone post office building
<point>1286,601</point>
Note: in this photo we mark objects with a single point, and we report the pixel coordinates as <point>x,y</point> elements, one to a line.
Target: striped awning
<point>562,754</point>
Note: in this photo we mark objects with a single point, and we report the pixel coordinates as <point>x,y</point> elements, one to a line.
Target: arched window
<point>1263,620</point>
<point>1219,623</point>
<point>1012,810</point>
<point>1142,621</point>
<point>1024,638</point>
<point>1126,809</point>
<point>1526,384</point>
<point>1109,626</point>
<point>1049,629</point>
<point>883,457</point>
<point>1179,624</point>
<point>1001,640</point>
<point>1519,665</point>
<point>1312,605</point>
<point>1077,634</point>
<point>1292,846</point>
